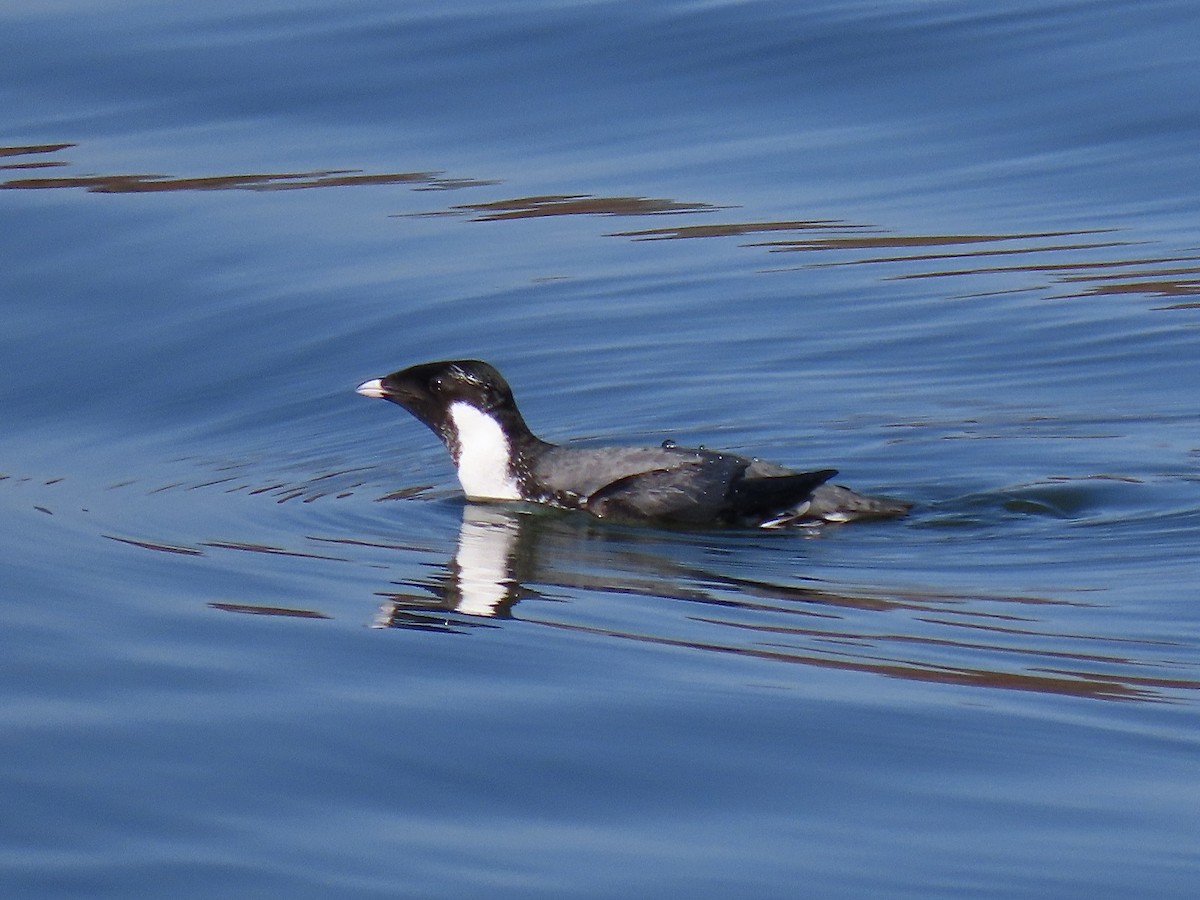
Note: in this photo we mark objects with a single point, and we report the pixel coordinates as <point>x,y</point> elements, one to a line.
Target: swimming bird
<point>469,405</point>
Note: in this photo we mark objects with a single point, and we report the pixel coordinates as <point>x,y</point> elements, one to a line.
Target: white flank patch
<point>484,457</point>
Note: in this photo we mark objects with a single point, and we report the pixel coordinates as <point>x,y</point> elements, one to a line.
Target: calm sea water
<point>254,642</point>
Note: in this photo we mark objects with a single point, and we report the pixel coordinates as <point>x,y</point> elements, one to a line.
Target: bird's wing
<point>693,491</point>
<point>705,491</point>
<point>766,497</point>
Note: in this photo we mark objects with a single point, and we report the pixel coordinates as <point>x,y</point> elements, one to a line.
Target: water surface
<point>256,643</point>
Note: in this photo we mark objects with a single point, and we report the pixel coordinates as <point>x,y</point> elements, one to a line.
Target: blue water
<point>255,643</point>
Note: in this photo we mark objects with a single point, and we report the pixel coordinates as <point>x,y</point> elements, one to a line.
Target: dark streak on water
<point>250,609</point>
<point>1162,282</point>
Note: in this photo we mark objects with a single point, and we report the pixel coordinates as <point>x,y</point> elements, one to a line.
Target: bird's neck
<point>485,455</point>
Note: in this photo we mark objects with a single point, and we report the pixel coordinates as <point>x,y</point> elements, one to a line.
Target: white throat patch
<point>484,456</point>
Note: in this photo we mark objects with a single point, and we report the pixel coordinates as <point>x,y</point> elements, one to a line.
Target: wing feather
<point>706,491</point>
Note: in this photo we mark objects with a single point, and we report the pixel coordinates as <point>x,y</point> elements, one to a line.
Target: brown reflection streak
<point>818,604</point>
<point>926,240</point>
<point>900,600</point>
<point>269,487</point>
<point>1151,273</point>
<point>1050,268</point>
<point>48,164</point>
<point>570,205</point>
<point>1186,684</point>
<point>133,184</point>
<point>269,610</point>
<point>1140,642</point>
<point>156,545</point>
<point>1006,251</point>
<point>213,483</point>
<point>1153,282</point>
<point>33,148</point>
<point>269,551</point>
<point>735,229</point>
<point>875,639</point>
<point>1167,288</point>
<point>1098,687</point>
<point>357,542</point>
<point>846,236</point>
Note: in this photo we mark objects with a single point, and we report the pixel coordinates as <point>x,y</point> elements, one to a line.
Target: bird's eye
<point>438,383</point>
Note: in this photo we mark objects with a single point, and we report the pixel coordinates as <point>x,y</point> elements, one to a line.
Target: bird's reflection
<point>1006,642</point>
<point>481,581</point>
<point>502,548</point>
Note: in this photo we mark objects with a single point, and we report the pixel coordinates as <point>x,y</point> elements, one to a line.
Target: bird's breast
<point>484,455</point>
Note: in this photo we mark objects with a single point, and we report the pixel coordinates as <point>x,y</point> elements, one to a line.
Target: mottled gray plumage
<point>470,406</point>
